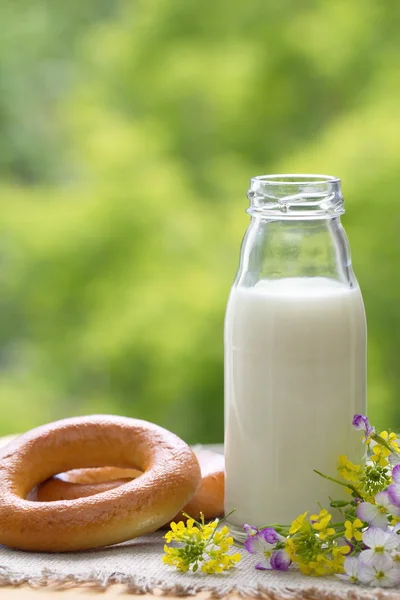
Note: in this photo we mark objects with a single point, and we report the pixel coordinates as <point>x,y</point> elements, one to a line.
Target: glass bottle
<point>295,353</point>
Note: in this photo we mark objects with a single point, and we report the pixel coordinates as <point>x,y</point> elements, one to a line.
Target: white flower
<point>382,500</point>
<point>379,542</point>
<point>377,515</point>
<point>372,515</point>
<point>379,572</point>
<point>351,566</point>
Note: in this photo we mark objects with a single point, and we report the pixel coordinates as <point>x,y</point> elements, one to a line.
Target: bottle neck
<point>284,248</point>
<point>295,196</point>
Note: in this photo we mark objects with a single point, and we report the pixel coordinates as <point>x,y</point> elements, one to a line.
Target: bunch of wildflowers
<point>364,545</point>
<point>201,545</point>
<point>311,542</point>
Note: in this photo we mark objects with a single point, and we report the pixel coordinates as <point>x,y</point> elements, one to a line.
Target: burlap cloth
<point>138,564</point>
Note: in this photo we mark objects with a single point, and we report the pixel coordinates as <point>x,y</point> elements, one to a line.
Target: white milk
<point>295,376</point>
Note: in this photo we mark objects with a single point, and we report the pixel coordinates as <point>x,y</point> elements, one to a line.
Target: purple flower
<point>280,561</point>
<point>394,489</point>
<point>362,424</point>
<point>271,536</point>
<point>263,543</point>
<point>249,529</point>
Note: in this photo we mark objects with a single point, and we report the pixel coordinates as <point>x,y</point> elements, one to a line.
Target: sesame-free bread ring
<point>171,475</point>
<point>208,499</point>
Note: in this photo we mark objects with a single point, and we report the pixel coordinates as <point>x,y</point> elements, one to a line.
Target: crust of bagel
<point>79,483</point>
<point>171,476</point>
<point>210,495</point>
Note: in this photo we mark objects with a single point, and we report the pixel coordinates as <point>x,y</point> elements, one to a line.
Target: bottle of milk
<point>295,353</point>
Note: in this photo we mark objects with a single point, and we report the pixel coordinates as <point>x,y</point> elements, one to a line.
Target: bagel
<point>171,475</point>
<point>79,483</point>
<point>209,498</point>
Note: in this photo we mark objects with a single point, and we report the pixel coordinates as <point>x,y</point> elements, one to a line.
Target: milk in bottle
<point>295,353</point>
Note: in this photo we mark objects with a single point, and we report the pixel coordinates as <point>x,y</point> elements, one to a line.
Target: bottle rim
<point>296,195</point>
<point>296,179</point>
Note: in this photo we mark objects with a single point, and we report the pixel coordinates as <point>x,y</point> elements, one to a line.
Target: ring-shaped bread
<point>171,475</point>
<point>79,483</point>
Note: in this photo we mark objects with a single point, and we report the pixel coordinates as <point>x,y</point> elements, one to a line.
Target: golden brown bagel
<point>80,483</point>
<point>171,475</point>
<point>209,498</point>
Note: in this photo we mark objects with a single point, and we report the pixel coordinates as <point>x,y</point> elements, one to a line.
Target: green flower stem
<point>224,518</point>
<point>201,524</point>
<point>346,485</point>
<point>221,521</point>
<point>210,539</point>
<point>348,516</point>
<point>336,536</point>
<point>189,517</point>
<point>275,526</point>
<point>356,548</point>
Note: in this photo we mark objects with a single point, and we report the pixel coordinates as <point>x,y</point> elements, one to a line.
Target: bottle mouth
<point>296,179</point>
<point>296,195</point>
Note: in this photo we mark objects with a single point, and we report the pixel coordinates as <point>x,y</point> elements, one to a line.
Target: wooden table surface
<point>76,593</point>
<point>82,593</point>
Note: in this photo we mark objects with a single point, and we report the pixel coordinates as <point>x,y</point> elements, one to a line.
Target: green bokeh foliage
<point>129,131</point>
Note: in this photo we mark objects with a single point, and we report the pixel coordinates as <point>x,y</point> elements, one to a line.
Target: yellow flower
<point>290,548</point>
<point>380,454</point>
<point>321,566</point>
<point>209,529</point>
<point>324,565</point>
<point>341,550</point>
<point>304,567</point>
<point>201,545</point>
<point>321,524</point>
<point>351,530</point>
<point>178,527</point>
<point>220,563</point>
<point>348,470</point>
<point>338,557</point>
<point>391,440</point>
<point>298,523</point>
<point>173,558</point>
<point>169,536</point>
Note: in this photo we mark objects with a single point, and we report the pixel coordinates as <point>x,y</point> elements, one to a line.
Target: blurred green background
<point>128,133</point>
